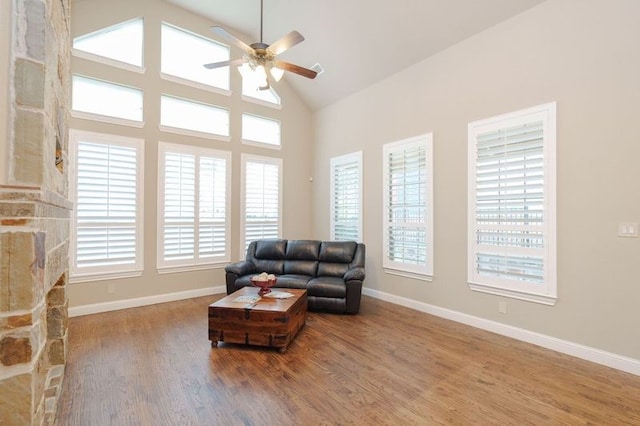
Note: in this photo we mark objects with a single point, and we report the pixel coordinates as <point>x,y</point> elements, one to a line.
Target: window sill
<point>261,144</point>
<point>194,133</point>
<point>108,61</point>
<point>529,297</point>
<point>83,278</point>
<point>247,98</point>
<point>107,119</point>
<point>189,268</point>
<point>195,84</point>
<point>407,274</point>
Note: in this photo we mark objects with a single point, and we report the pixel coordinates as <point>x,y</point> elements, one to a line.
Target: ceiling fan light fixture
<point>276,73</point>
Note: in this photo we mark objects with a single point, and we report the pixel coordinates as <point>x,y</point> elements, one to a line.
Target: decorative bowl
<point>265,286</point>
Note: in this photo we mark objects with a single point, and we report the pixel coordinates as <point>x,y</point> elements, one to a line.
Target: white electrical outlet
<point>502,307</point>
<point>627,229</point>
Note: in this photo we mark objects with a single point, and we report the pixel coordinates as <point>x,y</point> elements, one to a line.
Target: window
<point>252,93</point>
<point>512,205</point>
<point>119,104</point>
<point>195,116</point>
<point>106,186</point>
<point>346,197</point>
<point>408,207</point>
<point>193,207</point>
<point>261,130</point>
<point>261,199</point>
<point>122,43</point>
<point>184,54</point>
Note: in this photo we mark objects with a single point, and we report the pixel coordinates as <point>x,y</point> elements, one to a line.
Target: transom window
<point>179,113</point>
<point>122,42</point>
<point>261,130</point>
<point>117,103</point>
<point>184,53</point>
<point>512,205</point>
<point>408,207</point>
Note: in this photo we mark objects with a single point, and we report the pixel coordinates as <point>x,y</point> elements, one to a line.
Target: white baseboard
<point>96,308</point>
<point>598,356</point>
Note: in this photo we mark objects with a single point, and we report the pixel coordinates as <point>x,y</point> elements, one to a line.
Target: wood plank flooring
<point>388,365</point>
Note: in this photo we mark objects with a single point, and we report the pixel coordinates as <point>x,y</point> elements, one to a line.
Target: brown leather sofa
<point>331,271</point>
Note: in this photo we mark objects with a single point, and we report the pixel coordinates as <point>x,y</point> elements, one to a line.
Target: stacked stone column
<point>34,210</point>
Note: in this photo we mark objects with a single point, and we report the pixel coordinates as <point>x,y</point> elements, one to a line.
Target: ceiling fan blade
<point>286,42</point>
<point>305,72</point>
<point>219,31</point>
<point>230,63</point>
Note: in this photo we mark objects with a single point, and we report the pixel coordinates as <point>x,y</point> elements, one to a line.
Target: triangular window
<point>121,42</point>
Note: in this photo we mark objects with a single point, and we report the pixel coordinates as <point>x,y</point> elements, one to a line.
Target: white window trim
<point>105,273</point>
<point>354,157</point>
<point>106,119</point>
<point>107,61</point>
<point>244,159</point>
<point>195,84</point>
<point>172,266</point>
<point>418,272</point>
<point>261,102</point>
<point>504,287</point>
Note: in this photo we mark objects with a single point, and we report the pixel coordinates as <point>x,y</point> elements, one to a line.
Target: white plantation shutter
<point>193,227</point>
<point>107,191</point>
<point>261,198</point>
<point>179,206</point>
<point>510,216</point>
<point>407,232</point>
<point>346,197</point>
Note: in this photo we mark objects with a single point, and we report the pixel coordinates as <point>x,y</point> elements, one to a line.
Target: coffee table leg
<point>214,343</point>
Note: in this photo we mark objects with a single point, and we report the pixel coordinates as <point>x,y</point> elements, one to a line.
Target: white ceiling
<point>357,42</point>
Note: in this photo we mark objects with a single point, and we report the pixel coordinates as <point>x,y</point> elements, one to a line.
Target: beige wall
<point>584,55</point>
<point>91,15</point>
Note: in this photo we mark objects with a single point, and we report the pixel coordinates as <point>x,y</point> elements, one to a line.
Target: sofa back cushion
<point>268,255</point>
<point>302,250</point>
<point>301,267</point>
<point>335,257</point>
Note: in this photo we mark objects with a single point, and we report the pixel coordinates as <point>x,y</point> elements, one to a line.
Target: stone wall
<point>34,213</point>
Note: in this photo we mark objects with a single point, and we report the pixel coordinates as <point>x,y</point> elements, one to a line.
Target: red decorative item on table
<point>264,281</point>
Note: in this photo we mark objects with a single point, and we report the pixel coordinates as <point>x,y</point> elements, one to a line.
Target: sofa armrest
<point>240,268</point>
<point>354,274</point>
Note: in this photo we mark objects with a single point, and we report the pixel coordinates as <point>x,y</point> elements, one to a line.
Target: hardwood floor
<point>388,365</point>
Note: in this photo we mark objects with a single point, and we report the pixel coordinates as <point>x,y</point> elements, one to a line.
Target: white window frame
<point>202,85</point>
<point>95,116</point>
<point>420,271</point>
<point>98,273</point>
<point>544,292</point>
<point>95,57</point>
<point>353,159</point>
<point>261,143</point>
<point>194,263</point>
<point>190,131</point>
<point>248,158</point>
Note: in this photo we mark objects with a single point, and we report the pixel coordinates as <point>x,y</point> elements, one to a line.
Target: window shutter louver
<point>262,201</point>
<point>106,206</point>
<point>510,202</point>
<point>194,228</point>
<point>408,208</point>
<point>346,197</point>
<point>511,227</point>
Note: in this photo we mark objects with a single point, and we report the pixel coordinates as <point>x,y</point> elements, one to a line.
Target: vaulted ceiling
<point>357,42</point>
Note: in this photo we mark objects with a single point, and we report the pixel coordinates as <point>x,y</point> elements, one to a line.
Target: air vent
<point>318,68</point>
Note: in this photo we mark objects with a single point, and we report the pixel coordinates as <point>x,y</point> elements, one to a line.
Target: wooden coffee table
<point>269,322</point>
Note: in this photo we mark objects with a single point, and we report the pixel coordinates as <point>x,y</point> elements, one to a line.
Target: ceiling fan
<point>261,58</point>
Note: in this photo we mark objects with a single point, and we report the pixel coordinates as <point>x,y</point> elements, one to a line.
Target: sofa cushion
<point>337,251</point>
<point>293,281</point>
<point>327,287</point>
<point>302,267</point>
<point>332,269</point>
<point>302,250</point>
<point>269,266</point>
<point>270,249</point>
